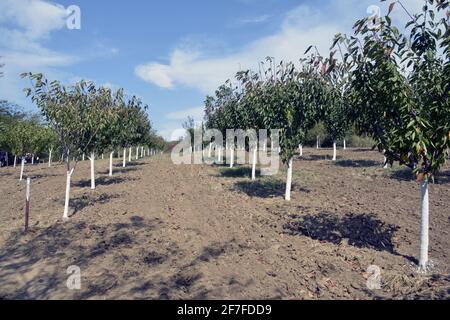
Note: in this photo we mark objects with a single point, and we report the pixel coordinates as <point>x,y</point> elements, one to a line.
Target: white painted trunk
<point>210,150</point>
<point>424,227</point>
<point>289,181</point>
<point>103,157</point>
<point>219,156</point>
<point>50,158</point>
<point>255,154</point>
<point>111,155</point>
<point>345,145</point>
<point>265,146</point>
<point>92,171</point>
<point>82,157</point>
<point>15,161</point>
<point>232,158</point>
<point>129,154</point>
<point>318,142</point>
<point>385,163</point>
<point>137,153</point>
<point>334,150</point>
<point>66,201</point>
<point>271,145</point>
<point>32,159</point>
<point>21,169</point>
<point>301,150</point>
<point>124,157</point>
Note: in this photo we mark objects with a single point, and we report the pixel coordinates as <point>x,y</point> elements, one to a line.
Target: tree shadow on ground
<point>79,203</point>
<point>314,157</point>
<point>102,181</point>
<point>238,172</point>
<point>406,174</point>
<point>358,163</point>
<point>185,278</point>
<point>42,175</point>
<point>121,170</point>
<point>268,188</point>
<point>132,163</point>
<point>360,230</point>
<point>46,253</point>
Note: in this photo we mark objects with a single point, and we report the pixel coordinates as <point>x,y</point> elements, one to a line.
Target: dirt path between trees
<point>160,231</point>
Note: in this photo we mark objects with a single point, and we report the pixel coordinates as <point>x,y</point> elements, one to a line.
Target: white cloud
<point>258,19</point>
<point>196,113</point>
<point>172,129</point>
<point>24,27</point>
<point>172,132</point>
<point>35,18</point>
<point>190,67</point>
<point>303,26</point>
<point>155,73</point>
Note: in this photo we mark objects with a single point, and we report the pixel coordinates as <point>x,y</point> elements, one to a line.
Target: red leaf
<point>391,7</point>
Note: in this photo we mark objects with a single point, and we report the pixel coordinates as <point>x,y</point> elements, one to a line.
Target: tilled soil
<point>160,231</point>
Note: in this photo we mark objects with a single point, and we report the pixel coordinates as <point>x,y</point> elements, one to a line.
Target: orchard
<point>321,177</point>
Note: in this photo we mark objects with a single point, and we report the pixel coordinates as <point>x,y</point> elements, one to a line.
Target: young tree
<point>290,103</point>
<point>98,118</point>
<point>71,113</point>
<point>400,90</point>
<point>335,110</point>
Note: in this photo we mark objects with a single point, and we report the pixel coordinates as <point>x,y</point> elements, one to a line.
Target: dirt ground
<point>160,231</point>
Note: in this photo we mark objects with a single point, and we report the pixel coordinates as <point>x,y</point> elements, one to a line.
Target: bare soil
<point>160,231</point>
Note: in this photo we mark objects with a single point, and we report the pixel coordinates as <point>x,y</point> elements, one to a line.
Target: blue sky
<point>170,53</point>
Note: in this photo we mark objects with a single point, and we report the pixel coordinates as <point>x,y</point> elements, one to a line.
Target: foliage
<point>400,87</point>
<point>89,119</point>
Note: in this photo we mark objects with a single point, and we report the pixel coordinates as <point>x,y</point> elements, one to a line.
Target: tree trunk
<point>289,180</point>
<point>82,157</point>
<point>15,161</point>
<point>210,150</point>
<point>103,157</point>
<point>21,169</point>
<point>129,154</point>
<point>111,155</point>
<point>137,153</point>
<point>318,142</point>
<point>255,150</point>
<point>92,158</point>
<point>219,155</point>
<point>424,227</point>
<point>301,150</point>
<point>334,150</point>
<point>66,202</point>
<point>345,145</point>
<point>124,157</point>
<point>50,158</point>
<point>232,158</point>
<point>32,159</point>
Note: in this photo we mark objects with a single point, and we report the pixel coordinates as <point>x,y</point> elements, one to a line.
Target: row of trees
<point>22,133</point>
<point>392,84</point>
<point>85,119</point>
